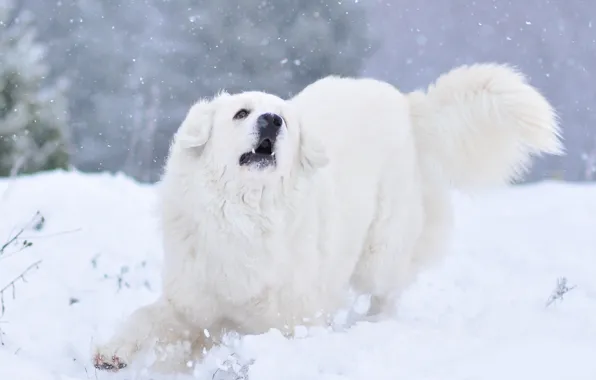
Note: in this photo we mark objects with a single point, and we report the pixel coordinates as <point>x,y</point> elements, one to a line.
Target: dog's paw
<point>112,358</point>
<point>113,364</point>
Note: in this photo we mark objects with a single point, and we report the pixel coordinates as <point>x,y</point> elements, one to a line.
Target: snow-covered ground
<point>481,314</point>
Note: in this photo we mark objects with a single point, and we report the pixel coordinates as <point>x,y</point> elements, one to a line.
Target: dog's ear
<point>312,152</point>
<point>196,127</point>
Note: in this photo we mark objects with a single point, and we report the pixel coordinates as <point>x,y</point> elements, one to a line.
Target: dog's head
<point>250,134</point>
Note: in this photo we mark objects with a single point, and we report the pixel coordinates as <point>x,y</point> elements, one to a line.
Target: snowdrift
<point>90,251</point>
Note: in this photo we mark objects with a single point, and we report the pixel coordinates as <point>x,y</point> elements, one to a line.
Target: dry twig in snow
<point>12,287</point>
<point>559,291</point>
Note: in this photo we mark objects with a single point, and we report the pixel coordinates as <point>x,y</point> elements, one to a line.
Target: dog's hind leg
<point>384,268</point>
<point>409,233</point>
<point>156,328</point>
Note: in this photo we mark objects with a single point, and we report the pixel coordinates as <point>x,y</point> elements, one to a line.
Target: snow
<point>480,314</point>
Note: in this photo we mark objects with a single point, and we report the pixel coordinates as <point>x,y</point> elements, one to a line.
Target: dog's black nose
<point>269,124</point>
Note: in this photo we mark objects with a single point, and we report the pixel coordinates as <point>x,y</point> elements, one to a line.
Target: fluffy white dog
<point>272,209</point>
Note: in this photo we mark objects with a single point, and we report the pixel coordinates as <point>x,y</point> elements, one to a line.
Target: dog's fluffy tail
<point>482,124</point>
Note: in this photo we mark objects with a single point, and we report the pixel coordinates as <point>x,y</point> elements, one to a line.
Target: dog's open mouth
<point>262,155</point>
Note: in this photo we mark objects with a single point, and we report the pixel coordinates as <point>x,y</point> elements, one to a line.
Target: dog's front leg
<point>156,328</point>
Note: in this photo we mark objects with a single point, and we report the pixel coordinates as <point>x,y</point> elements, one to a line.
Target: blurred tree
<point>33,115</point>
<point>276,46</point>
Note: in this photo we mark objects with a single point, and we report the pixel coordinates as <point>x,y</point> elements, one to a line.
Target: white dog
<point>272,209</point>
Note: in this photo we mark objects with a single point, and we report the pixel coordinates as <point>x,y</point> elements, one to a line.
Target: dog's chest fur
<point>243,239</point>
<point>245,250</point>
<point>261,264</point>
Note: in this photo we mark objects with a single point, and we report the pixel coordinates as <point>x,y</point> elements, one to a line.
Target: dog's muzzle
<point>263,153</point>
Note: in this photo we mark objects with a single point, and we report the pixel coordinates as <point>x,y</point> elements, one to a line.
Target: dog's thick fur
<point>359,198</point>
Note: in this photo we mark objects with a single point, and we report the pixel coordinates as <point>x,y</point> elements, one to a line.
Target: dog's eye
<point>241,114</point>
